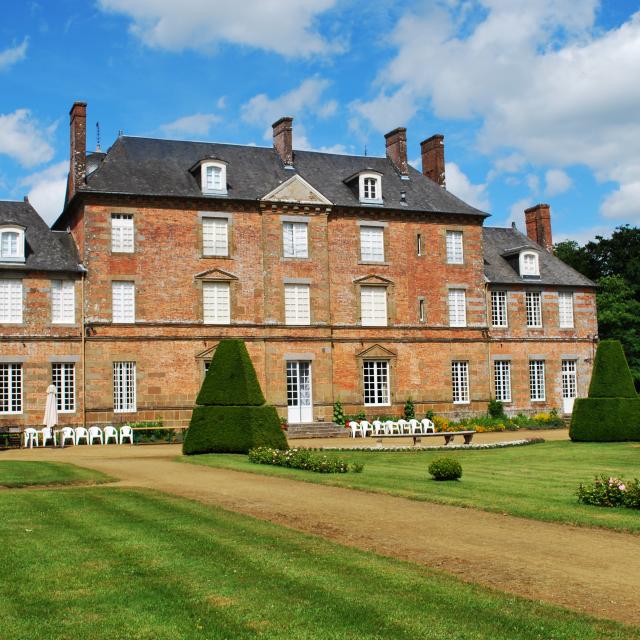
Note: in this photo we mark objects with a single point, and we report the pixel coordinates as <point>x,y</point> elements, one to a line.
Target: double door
<point>299,396</point>
<point>569,385</point>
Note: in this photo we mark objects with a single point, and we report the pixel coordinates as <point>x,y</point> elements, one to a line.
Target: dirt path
<point>594,571</point>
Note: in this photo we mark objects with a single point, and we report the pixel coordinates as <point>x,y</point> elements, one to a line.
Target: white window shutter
<point>124,301</point>
<point>373,302</point>
<point>215,237</point>
<point>11,301</point>
<point>216,304</point>
<point>372,244</point>
<point>297,304</point>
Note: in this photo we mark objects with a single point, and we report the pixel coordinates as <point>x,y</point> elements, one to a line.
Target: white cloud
<point>47,190</point>
<point>24,139</point>
<point>10,56</point>
<point>624,203</point>
<point>459,185</point>
<point>582,236</point>
<point>556,182</point>
<point>512,163</point>
<point>197,124</point>
<point>516,213</point>
<point>283,26</point>
<point>533,182</point>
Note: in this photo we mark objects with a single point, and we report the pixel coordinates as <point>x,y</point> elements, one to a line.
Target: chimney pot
<point>538,221</point>
<point>433,158</point>
<point>396,142</point>
<point>78,147</point>
<point>283,139</point>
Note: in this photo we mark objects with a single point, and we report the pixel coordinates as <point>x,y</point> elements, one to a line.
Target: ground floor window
<point>502,379</point>
<point>536,379</point>
<point>124,387</point>
<point>460,381</point>
<point>63,377</point>
<point>376,382</point>
<point>10,388</point>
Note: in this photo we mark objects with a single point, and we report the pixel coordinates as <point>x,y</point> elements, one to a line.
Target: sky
<point>538,100</point>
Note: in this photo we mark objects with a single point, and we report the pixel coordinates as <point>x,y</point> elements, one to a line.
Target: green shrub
<point>301,459</point>
<point>445,469</point>
<point>496,409</point>
<point>610,492</point>
<point>611,377</point>
<point>338,413</point>
<point>605,420</point>
<point>409,410</point>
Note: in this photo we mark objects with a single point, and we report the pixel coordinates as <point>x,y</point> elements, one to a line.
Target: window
<point>11,301</point>
<point>296,304</point>
<point>371,244</point>
<point>214,178</point>
<point>124,387</point>
<point>499,308</point>
<point>121,233</point>
<point>457,308</point>
<point>419,244</point>
<point>529,266</point>
<point>373,306</point>
<point>12,244</point>
<point>565,309</point>
<point>294,240</point>
<point>63,305</point>
<point>370,186</point>
<point>216,307</point>
<point>422,316</point>
<point>10,388</point>
<point>123,295</point>
<point>455,253</point>
<point>215,237</point>
<point>63,377</point>
<point>502,380</point>
<point>536,379</point>
<point>460,381</point>
<point>376,382</point>
<point>534,310</point>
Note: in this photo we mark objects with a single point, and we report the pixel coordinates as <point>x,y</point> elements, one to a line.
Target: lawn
<point>105,563</point>
<point>538,481</point>
<point>15,474</point>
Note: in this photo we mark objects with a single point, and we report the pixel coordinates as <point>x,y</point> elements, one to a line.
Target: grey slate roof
<point>500,241</point>
<point>45,250</point>
<point>154,167</point>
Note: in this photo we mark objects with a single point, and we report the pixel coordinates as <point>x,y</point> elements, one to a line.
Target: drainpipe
<point>83,333</point>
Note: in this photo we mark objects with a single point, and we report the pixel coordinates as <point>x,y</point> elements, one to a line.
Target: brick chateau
<point>349,277</point>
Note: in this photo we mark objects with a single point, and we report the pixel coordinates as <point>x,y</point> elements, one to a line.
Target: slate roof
<point>499,242</point>
<point>45,250</point>
<point>154,167</point>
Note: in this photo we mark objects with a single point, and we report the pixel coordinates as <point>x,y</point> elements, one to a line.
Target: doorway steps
<point>316,430</point>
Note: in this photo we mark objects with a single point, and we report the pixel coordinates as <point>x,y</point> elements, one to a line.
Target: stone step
<point>315,430</point>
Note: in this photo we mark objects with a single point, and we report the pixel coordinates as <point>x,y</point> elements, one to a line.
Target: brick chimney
<point>433,158</point>
<point>397,149</point>
<point>78,150</point>
<point>283,139</point>
<point>538,220</point>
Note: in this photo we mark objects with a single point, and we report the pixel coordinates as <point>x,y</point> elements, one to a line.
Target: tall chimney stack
<point>396,141</point>
<point>538,220</point>
<point>78,148</point>
<point>433,158</point>
<point>283,139</point>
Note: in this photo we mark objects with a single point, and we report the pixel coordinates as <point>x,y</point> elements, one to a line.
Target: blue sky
<point>539,100</point>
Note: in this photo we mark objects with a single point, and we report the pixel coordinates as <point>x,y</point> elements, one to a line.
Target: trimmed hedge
<point>605,420</point>
<point>611,377</point>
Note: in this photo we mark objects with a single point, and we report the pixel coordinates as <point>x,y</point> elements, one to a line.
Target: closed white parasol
<point>51,408</point>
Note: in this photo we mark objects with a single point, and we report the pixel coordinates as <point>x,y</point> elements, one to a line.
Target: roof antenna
<point>98,137</point>
<point>365,149</point>
<point>120,133</point>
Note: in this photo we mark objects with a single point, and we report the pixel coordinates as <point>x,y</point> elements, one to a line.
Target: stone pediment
<point>376,351</point>
<point>373,279</point>
<point>215,274</point>
<point>207,354</point>
<point>296,189</point>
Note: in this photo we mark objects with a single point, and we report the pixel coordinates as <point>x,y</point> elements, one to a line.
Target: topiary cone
<point>611,377</point>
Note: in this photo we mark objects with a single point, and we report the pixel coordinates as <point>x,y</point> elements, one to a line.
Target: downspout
<point>83,332</point>
<point>487,307</point>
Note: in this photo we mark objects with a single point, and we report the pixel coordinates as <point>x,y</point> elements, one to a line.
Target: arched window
<point>11,244</point>
<point>370,188</point>
<point>529,265</point>
<point>214,178</point>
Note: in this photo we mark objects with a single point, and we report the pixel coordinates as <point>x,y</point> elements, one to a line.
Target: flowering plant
<point>301,459</point>
<point>609,491</point>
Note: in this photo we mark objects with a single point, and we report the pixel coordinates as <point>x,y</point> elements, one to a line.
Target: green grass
<point>15,474</point>
<point>108,564</point>
<point>538,481</point>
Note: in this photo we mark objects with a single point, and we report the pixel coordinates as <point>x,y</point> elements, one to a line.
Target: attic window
<point>214,178</point>
<point>11,244</point>
<point>529,265</point>
<point>370,188</point>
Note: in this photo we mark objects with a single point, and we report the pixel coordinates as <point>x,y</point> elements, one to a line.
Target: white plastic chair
<point>378,428</point>
<point>30,437</point>
<point>355,429</point>
<point>47,434</point>
<point>416,427</point>
<point>67,433</point>
<point>95,432</point>
<point>81,433</point>
<point>126,433</point>
<point>404,426</point>
<point>110,432</point>
<point>366,428</point>
<point>391,427</point>
<point>428,426</point>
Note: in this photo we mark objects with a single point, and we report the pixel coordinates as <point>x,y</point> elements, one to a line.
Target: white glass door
<point>299,397</point>
<point>569,385</point>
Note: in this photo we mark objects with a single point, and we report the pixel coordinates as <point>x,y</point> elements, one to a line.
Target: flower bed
<point>610,492</point>
<point>447,447</point>
<point>301,459</point>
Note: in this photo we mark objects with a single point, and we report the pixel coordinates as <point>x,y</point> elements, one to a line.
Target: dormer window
<point>529,265</point>
<point>370,188</point>
<point>11,244</point>
<point>214,178</point>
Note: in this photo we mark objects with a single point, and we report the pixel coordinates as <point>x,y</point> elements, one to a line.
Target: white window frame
<point>63,302</point>
<point>123,301</point>
<point>499,313</point>
<point>372,312</point>
<point>457,299</point>
<point>454,243</point>
<point>11,388</point>
<point>422,310</point>
<point>214,189</point>
<point>529,264</point>
<point>376,380</point>
<point>63,377</point>
<point>566,318</point>
<point>11,301</point>
<point>533,308</point>
<point>460,381</point>
<point>215,236</point>
<point>537,390</point>
<point>295,239</point>
<point>419,244</point>
<point>6,254</point>
<point>297,304</point>
<point>124,387</point>
<point>502,380</point>
<point>371,243</point>
<point>122,233</point>
<point>216,302</point>
<point>364,188</point>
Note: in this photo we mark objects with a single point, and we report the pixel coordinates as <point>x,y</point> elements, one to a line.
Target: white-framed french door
<point>569,385</point>
<point>299,394</point>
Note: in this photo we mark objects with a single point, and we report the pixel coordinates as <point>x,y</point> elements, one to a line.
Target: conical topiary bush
<point>611,413</point>
<point>231,415</point>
